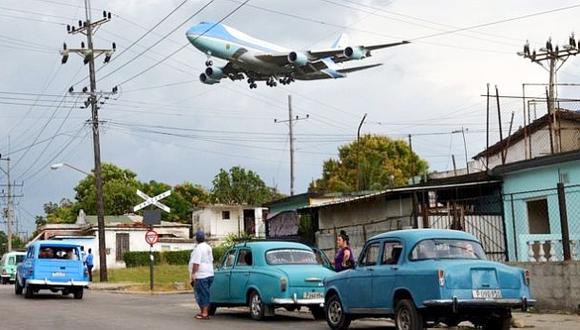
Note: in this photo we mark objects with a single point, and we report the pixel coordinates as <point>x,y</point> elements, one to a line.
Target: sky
<point>167,126</point>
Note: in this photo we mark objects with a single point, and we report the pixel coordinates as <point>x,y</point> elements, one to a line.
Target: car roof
<point>269,245</point>
<point>411,236</point>
<point>14,253</point>
<point>54,243</point>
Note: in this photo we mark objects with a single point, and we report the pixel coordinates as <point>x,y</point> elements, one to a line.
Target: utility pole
<point>556,56</point>
<point>358,179</point>
<point>89,54</point>
<point>8,212</point>
<point>290,121</point>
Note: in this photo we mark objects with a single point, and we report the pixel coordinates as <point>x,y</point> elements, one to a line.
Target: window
<point>58,252</point>
<point>447,249</point>
<point>370,256</point>
<point>122,245</point>
<point>538,219</point>
<point>290,257</point>
<point>225,215</point>
<point>229,259</point>
<point>391,253</point>
<point>244,258</point>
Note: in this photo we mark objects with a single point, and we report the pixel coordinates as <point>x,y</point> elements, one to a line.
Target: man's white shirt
<point>203,256</point>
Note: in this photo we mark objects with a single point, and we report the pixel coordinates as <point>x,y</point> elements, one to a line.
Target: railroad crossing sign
<point>152,201</point>
<point>151,237</point>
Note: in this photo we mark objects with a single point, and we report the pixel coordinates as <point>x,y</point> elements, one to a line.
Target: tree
<point>63,212</point>
<point>16,242</point>
<point>119,190</point>
<point>240,186</point>
<point>372,163</point>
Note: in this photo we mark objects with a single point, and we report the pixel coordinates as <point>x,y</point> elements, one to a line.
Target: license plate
<point>486,294</point>
<point>58,274</point>
<point>313,295</point>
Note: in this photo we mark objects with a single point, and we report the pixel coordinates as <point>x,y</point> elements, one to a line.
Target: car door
<point>360,279</point>
<point>240,274</point>
<point>384,277</point>
<point>221,282</point>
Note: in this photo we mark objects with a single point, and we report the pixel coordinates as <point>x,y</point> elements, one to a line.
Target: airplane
<point>257,60</point>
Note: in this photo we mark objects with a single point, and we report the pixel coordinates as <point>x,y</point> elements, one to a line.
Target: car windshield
<point>20,258</point>
<point>447,249</point>
<point>290,257</point>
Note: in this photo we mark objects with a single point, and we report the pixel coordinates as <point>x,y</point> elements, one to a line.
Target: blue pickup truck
<point>52,265</point>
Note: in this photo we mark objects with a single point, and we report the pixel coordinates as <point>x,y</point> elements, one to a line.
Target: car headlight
<point>526,274</point>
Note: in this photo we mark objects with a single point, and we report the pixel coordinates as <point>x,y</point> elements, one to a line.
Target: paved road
<point>107,310</point>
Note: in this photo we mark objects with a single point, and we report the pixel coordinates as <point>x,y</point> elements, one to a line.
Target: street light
<point>462,131</point>
<point>59,165</point>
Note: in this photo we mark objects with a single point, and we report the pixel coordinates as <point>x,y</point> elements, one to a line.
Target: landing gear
<point>252,83</point>
<point>208,63</point>
<point>286,80</point>
<point>271,82</point>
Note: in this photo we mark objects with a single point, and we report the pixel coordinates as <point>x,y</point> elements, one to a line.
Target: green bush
<point>218,253</point>
<point>136,259</point>
<point>176,257</point>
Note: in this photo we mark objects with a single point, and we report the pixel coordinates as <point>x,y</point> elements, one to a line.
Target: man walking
<point>89,264</point>
<point>201,268</point>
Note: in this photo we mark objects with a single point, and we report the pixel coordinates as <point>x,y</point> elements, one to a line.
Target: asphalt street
<point>114,310</point>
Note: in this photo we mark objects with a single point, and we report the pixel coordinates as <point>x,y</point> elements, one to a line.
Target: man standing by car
<point>201,266</point>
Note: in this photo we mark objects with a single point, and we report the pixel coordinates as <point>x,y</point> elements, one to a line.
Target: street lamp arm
<point>59,165</point>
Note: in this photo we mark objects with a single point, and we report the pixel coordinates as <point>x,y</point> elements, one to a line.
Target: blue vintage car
<point>420,277</point>
<point>52,265</point>
<point>265,275</point>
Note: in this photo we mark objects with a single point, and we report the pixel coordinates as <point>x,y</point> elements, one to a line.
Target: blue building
<point>532,211</point>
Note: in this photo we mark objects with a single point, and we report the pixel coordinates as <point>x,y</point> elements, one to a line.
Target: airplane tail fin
<point>341,42</point>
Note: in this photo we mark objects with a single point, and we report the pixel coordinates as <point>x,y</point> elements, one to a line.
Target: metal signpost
<point>152,217</point>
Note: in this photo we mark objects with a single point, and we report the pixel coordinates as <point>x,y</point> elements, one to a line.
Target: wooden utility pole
<point>290,121</point>
<point>89,54</point>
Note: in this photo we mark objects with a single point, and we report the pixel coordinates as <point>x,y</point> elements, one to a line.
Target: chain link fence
<point>543,225</point>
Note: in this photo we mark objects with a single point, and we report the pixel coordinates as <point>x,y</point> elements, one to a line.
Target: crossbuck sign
<point>152,201</point>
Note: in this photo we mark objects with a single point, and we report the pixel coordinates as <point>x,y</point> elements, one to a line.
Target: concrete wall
<point>556,285</point>
<point>361,220</point>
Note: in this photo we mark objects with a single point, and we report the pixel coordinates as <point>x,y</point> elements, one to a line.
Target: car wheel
<point>256,306</point>
<point>407,317</point>
<point>211,310</point>
<point>317,312</point>
<point>78,293</point>
<point>17,288</point>
<point>335,315</point>
<point>28,291</point>
<point>500,323</point>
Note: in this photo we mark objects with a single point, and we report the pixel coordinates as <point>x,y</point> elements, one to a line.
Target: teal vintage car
<point>420,277</point>
<point>265,275</point>
<point>8,265</point>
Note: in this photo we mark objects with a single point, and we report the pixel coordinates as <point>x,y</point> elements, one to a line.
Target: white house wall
<point>210,221</point>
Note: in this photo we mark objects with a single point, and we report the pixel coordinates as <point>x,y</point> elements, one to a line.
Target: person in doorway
<point>201,270</point>
<point>344,258</point>
<point>89,263</point>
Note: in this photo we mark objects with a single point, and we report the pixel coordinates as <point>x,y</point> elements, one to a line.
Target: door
<point>220,289</point>
<point>360,281</point>
<point>250,222</point>
<point>384,278</point>
<point>240,274</point>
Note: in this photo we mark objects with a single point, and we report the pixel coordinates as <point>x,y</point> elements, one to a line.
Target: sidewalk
<point>129,288</point>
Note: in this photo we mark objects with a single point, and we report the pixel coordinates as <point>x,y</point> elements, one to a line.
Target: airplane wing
<point>358,68</point>
<point>338,55</point>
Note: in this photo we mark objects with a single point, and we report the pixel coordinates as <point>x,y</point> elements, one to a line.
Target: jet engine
<point>207,80</point>
<point>355,53</point>
<point>299,59</point>
<point>215,73</point>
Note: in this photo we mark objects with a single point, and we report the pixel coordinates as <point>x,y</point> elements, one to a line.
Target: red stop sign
<point>151,237</point>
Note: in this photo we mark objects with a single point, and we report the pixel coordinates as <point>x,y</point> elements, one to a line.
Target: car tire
<point>257,307</point>
<point>17,288</point>
<point>407,317</point>
<point>78,293</point>
<point>336,318</point>
<point>28,291</point>
<point>211,309</point>
<point>318,312</point>
<point>499,323</point>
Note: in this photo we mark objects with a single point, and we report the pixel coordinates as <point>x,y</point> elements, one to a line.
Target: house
<point>220,220</point>
<point>534,211</point>
<point>549,134</point>
<point>122,234</point>
<point>471,203</point>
